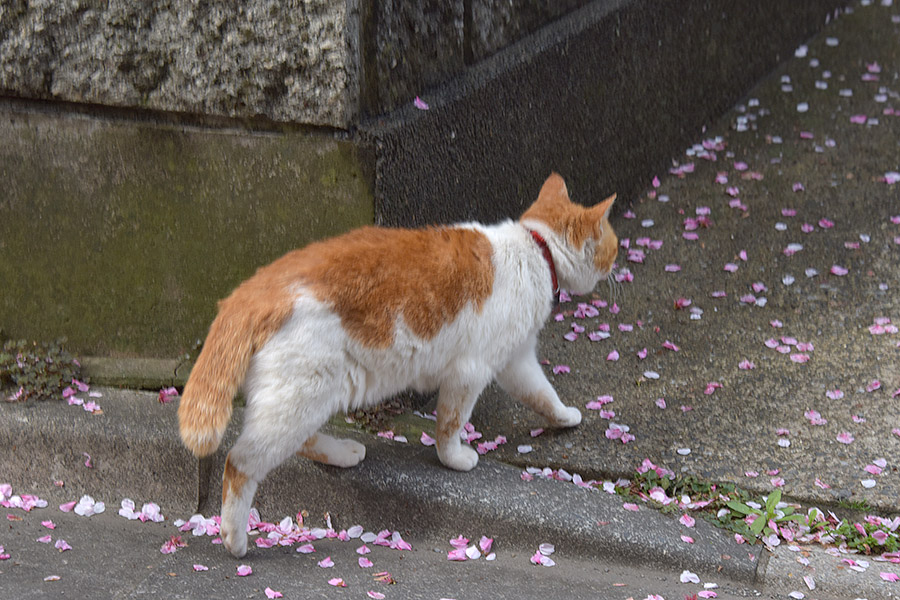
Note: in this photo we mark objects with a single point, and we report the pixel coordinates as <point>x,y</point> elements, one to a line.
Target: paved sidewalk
<point>782,253</point>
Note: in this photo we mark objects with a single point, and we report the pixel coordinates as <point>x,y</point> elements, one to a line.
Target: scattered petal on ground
<point>845,437</point>
<point>688,577</point>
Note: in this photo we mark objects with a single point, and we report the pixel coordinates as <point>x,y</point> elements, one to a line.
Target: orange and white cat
<point>346,322</point>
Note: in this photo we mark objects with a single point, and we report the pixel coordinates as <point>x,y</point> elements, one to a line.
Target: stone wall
<point>284,60</point>
<point>154,154</point>
<point>295,61</point>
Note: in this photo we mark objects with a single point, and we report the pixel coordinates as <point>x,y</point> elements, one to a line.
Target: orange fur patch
<point>608,247</point>
<point>233,480</point>
<point>448,422</point>
<point>307,451</point>
<point>373,276</point>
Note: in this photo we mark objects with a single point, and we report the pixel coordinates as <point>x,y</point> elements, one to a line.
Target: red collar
<point>545,249</point>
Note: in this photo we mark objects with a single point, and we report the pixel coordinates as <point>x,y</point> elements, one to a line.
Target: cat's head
<point>582,242</point>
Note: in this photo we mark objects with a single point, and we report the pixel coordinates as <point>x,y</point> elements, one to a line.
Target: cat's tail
<point>240,329</point>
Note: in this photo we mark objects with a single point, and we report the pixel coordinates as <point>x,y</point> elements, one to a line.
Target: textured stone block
<point>286,61</point>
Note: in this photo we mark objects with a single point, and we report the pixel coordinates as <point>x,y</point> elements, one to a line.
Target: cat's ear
<point>554,189</point>
<point>602,209</point>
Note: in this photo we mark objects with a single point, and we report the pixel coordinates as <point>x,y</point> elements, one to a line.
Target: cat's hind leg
<point>524,379</point>
<point>238,489</point>
<point>333,451</point>
<point>272,433</point>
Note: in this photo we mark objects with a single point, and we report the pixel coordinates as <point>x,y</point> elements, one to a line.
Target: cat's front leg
<point>524,379</point>
<point>454,407</point>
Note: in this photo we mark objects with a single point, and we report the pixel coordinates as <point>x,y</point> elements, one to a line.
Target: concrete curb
<point>136,453</point>
<point>135,373</point>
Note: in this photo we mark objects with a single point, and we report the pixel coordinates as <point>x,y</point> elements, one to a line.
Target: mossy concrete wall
<point>122,236</point>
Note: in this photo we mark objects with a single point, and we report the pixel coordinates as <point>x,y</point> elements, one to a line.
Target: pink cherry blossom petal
<point>200,568</point>
<point>337,582</point>
<point>711,387</point>
<point>326,563</point>
<point>167,395</point>
<point>244,570</point>
<point>845,437</point>
<point>172,544</point>
<point>270,593</point>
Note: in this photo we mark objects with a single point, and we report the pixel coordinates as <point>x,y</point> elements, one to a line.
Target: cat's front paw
<point>233,540</point>
<point>463,459</point>
<point>570,417</point>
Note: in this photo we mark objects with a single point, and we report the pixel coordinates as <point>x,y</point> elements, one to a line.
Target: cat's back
<point>373,275</point>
